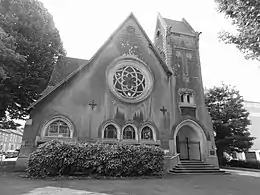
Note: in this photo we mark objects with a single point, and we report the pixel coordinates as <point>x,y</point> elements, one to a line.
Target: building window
<point>110,132</point>
<point>158,33</point>
<point>182,98</point>
<point>187,98</point>
<point>129,132</point>
<point>147,133</point>
<point>58,127</point>
<point>130,80</point>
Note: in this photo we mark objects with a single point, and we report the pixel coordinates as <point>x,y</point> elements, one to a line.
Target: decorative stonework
<point>189,55</point>
<point>130,29</point>
<point>186,79</point>
<point>130,80</point>
<point>183,41</point>
<point>185,90</point>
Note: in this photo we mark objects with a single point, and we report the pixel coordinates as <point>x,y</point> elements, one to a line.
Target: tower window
<point>187,98</point>
<point>182,98</point>
<point>158,33</point>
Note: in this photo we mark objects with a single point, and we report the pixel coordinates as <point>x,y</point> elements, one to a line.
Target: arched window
<point>188,98</point>
<point>129,132</point>
<point>182,97</point>
<point>147,133</point>
<point>58,128</point>
<point>110,132</point>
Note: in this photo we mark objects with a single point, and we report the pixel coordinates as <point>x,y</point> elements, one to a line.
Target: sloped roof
<point>56,78</point>
<point>62,69</point>
<point>179,26</point>
<point>65,66</point>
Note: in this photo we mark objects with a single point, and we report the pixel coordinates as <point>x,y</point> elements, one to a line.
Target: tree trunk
<point>221,158</point>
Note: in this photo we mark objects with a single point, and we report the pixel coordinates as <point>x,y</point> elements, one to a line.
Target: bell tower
<point>178,44</point>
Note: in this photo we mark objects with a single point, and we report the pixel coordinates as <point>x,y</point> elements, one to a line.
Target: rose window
<point>129,81</point>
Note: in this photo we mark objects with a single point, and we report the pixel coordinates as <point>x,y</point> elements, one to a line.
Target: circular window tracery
<point>130,80</point>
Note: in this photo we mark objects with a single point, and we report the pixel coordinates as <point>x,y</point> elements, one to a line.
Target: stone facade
<point>131,92</point>
<point>254,109</point>
<point>10,139</point>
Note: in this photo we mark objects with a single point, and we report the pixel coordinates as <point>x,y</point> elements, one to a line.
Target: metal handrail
<point>175,156</point>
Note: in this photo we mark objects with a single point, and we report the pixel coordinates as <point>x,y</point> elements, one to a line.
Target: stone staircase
<point>195,167</point>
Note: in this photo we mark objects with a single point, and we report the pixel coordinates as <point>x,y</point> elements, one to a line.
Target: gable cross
<point>163,110</point>
<point>92,105</point>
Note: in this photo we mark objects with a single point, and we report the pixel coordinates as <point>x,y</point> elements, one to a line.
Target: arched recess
<point>153,128</point>
<point>190,141</point>
<point>110,131</point>
<point>58,127</point>
<point>129,132</point>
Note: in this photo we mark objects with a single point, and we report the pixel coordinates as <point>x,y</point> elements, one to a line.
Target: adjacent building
<point>254,109</point>
<point>10,139</point>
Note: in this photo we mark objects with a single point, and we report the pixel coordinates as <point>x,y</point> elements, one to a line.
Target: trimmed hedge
<point>56,158</point>
<point>244,164</point>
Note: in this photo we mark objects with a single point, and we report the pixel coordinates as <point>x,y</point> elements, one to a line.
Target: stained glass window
<point>110,132</point>
<point>129,81</point>
<point>58,128</point>
<point>129,132</point>
<point>147,133</point>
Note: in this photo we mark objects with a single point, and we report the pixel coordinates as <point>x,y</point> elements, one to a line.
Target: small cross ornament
<point>163,110</point>
<point>92,105</point>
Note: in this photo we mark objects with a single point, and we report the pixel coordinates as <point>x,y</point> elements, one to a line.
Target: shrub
<point>244,164</point>
<point>61,158</point>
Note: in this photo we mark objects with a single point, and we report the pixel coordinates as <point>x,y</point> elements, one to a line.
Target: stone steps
<point>195,167</point>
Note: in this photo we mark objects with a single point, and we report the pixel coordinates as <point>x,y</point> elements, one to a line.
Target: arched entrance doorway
<point>190,141</point>
<point>188,144</point>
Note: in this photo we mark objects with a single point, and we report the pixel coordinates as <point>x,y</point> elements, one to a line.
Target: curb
<point>240,169</point>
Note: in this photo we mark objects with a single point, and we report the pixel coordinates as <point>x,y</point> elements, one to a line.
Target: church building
<point>132,91</point>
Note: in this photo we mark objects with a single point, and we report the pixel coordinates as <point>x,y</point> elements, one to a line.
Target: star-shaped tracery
<point>129,81</point>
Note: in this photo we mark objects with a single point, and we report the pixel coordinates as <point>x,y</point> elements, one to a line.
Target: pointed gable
<point>126,26</point>
<point>138,36</point>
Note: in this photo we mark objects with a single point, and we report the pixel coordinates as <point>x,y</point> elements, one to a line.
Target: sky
<point>85,25</point>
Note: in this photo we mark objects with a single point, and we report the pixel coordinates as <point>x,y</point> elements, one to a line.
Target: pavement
<point>236,183</point>
<point>243,172</point>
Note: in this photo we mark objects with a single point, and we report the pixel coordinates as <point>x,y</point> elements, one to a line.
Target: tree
<point>245,16</point>
<point>30,45</point>
<point>6,123</point>
<point>7,53</point>
<point>230,119</point>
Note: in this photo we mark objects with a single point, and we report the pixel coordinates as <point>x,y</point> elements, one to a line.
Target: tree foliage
<point>30,45</point>
<point>245,16</point>
<point>230,119</point>
<point>6,123</point>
